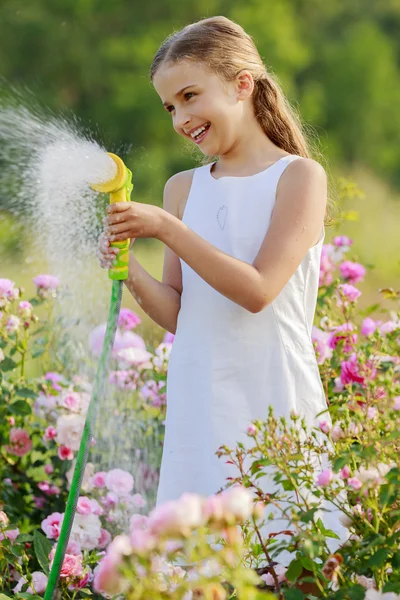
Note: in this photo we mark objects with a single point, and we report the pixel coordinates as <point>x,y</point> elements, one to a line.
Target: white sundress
<point>228,365</point>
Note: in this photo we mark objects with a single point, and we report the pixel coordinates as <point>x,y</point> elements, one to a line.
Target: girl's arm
<point>295,225</point>
<point>160,300</point>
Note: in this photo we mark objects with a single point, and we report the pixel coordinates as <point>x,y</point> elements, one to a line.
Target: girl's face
<point>203,108</point>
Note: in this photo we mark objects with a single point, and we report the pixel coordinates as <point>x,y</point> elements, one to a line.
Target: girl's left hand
<point>132,220</point>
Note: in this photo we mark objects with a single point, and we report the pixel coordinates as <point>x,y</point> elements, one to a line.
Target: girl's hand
<point>105,253</point>
<point>132,220</point>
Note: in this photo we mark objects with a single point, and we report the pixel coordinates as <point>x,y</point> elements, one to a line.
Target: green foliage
<point>337,62</point>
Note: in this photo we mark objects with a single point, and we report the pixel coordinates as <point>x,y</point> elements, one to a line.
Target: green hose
<point>120,190</point>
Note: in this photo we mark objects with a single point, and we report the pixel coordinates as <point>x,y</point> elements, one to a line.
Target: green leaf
<point>4,597</point>
<point>391,587</point>
<point>7,364</point>
<point>20,407</point>
<point>308,563</point>
<point>38,352</point>
<point>42,547</point>
<point>294,571</point>
<point>356,592</point>
<point>379,558</point>
<point>396,559</point>
<point>25,393</point>
<point>24,537</point>
<point>293,594</point>
<point>307,516</point>
<point>340,463</point>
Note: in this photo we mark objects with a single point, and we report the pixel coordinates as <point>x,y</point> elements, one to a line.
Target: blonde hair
<point>226,49</point>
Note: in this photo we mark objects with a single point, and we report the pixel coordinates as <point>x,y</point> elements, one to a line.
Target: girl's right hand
<point>106,253</point>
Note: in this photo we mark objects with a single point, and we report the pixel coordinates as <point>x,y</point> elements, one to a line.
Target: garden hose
<point>119,188</point>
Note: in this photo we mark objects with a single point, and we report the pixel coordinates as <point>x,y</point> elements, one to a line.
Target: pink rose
<point>6,287</point>
<point>54,378</point>
<point>237,503</point>
<point>320,340</point>
<point>72,401</point>
<point>65,453</point>
<point>48,469</point>
<point>128,319</point>
<point>52,525</point>
<point>125,339</point>
<point>327,266</point>
<point>342,240</point>
<point>347,293</point>
<point>4,520</point>
<point>120,482</point>
<point>177,516</point>
<point>138,501</point>
<point>88,506</point>
<point>25,309</point>
<point>350,372</point>
<point>39,582</point>
<point>389,326</point>
<point>251,430</point>
<point>368,326</point>
<point>72,565</point>
<point>213,508</point>
<point>105,539</point>
<point>324,426</point>
<point>12,324</point>
<point>39,501</point>
<point>69,430</point>
<point>151,391</point>
<point>46,282</point>
<point>20,442</point>
<point>340,333</point>
<point>352,272</point>
<point>280,572</point>
<point>142,541</point>
<point>396,403</point>
<point>99,479</point>
<point>345,472</point>
<point>325,477</point>
<point>354,483</point>
<point>50,433</point>
<point>11,534</point>
<point>107,578</point>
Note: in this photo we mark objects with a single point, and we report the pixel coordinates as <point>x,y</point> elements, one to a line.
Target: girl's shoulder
<point>176,192</point>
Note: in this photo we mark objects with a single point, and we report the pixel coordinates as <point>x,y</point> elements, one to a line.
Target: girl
<point>243,237</point>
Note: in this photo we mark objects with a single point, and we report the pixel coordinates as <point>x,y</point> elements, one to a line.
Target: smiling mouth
<point>202,133</point>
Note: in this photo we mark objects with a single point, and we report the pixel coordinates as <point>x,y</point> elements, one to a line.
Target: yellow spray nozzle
<point>119,188</point>
<point>117,182</point>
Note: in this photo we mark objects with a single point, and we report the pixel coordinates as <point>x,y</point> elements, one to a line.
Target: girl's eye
<point>171,108</point>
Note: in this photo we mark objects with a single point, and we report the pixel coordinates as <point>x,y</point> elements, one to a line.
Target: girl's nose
<point>181,121</point>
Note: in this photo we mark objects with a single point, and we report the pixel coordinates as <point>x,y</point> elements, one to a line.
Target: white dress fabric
<point>227,365</point>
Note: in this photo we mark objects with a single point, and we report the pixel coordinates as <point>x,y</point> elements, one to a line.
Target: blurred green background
<point>338,63</point>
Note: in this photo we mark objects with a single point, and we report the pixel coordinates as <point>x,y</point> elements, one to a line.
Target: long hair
<point>226,49</point>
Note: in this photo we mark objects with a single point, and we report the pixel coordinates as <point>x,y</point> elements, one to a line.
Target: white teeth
<point>198,131</point>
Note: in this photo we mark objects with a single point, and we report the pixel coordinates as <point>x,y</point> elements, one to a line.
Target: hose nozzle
<point>119,188</point>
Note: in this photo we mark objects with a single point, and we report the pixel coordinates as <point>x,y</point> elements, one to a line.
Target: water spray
<point>119,188</point>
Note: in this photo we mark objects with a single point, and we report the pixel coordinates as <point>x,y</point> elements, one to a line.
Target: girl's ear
<point>245,85</point>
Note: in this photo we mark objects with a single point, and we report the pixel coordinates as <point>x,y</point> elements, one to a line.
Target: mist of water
<point>47,165</point>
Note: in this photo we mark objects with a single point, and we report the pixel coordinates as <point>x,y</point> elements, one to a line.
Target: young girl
<point>243,237</point>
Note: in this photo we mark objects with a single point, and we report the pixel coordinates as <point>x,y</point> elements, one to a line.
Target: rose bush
<point>229,545</point>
